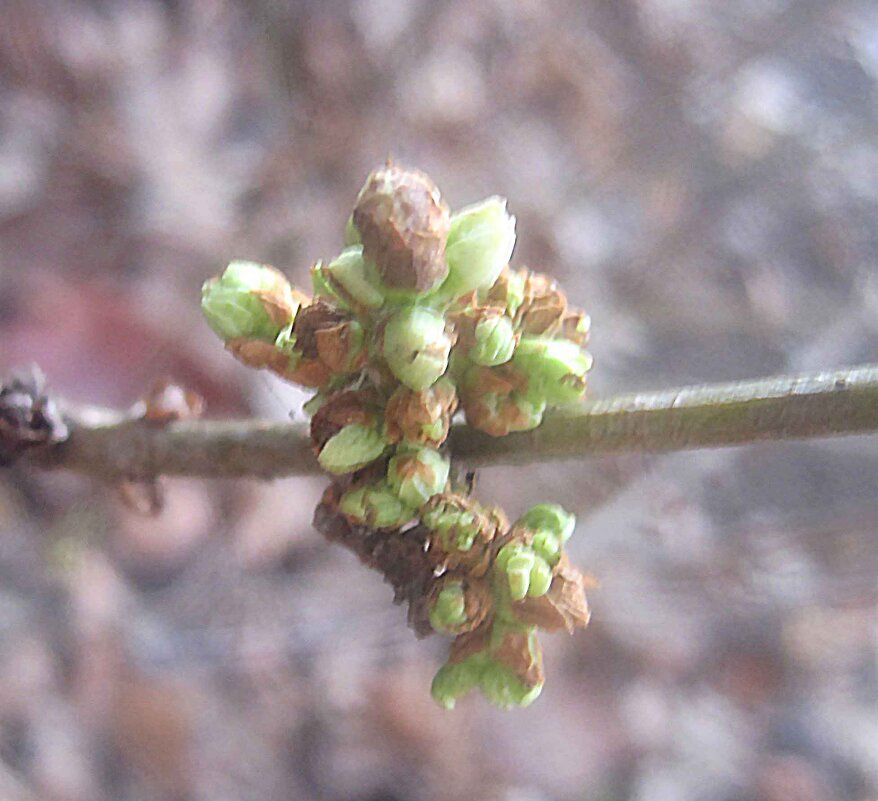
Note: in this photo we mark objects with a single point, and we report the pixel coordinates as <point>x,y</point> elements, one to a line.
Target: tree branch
<point>113,446</point>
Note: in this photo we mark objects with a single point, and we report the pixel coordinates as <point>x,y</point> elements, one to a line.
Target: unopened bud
<point>555,369</point>
<point>352,448</point>
<point>376,506</point>
<point>416,347</point>
<point>480,243</point>
<point>550,517</point>
<point>348,277</point>
<point>417,474</point>
<point>248,301</point>
<point>494,341</point>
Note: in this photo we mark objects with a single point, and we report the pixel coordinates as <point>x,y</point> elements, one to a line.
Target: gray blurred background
<point>703,179</point>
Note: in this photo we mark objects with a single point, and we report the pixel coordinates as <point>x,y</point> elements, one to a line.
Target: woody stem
<point>824,404</point>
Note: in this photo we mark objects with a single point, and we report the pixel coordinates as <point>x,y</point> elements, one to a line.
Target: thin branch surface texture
<point>823,404</point>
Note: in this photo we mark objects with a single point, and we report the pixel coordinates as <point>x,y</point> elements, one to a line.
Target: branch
<point>114,446</point>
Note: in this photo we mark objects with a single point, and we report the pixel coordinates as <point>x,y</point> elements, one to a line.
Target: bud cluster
<point>419,315</point>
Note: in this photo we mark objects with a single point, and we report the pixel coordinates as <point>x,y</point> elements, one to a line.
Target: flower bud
<point>480,242</point>
<point>494,341</point>
<point>351,234</point>
<point>403,225</point>
<point>347,278</point>
<point>526,572</point>
<point>376,506</point>
<point>555,369</point>
<point>421,417</point>
<point>352,448</point>
<point>248,301</point>
<point>448,611</point>
<point>506,293</point>
<point>456,679</point>
<point>417,474</point>
<point>513,675</point>
<point>548,517</point>
<point>416,347</point>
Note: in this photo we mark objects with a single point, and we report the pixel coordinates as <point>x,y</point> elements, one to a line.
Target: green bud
<point>449,610</point>
<point>457,528</point>
<point>540,578</point>
<point>322,287</point>
<point>416,347</point>
<point>504,689</point>
<point>417,474</point>
<point>375,505</point>
<point>494,341</point>
<point>352,448</point>
<point>249,300</point>
<point>349,277</point>
<point>549,517</point>
<point>555,369</point>
<point>526,572</point>
<point>547,545</point>
<point>518,569</point>
<point>455,679</point>
<point>479,245</point>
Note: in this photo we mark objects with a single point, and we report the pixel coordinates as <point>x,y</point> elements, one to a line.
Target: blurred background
<point>702,177</point>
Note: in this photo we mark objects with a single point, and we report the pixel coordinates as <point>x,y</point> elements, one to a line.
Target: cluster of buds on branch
<point>418,317</point>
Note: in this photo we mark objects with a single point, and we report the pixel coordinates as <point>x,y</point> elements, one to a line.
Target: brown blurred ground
<point>702,178</point>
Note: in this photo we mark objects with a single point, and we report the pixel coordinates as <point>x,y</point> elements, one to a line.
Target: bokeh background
<point>701,176</point>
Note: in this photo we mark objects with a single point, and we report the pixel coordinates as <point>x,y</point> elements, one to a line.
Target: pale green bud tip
<point>456,679</point>
<point>418,474</point>
<point>449,609</point>
<point>240,302</point>
<point>550,517</point>
<point>376,506</point>
<point>504,689</point>
<point>348,275</point>
<point>355,446</point>
<point>416,347</point>
<point>351,234</point>
<point>547,545</point>
<point>555,369</point>
<point>527,573</point>
<point>494,341</point>
<point>479,245</point>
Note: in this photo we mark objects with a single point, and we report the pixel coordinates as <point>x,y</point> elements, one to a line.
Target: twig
<point>824,404</point>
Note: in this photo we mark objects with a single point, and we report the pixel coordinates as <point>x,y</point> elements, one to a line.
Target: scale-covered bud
<point>456,679</point>
<point>463,532</point>
<point>493,341</point>
<point>506,293</point>
<point>403,224</point>
<point>248,301</point>
<point>417,474</point>
<point>352,448</point>
<point>376,506</point>
<point>416,346</point>
<point>459,606</point>
<point>421,417</point>
<point>351,234</point>
<point>480,242</point>
<point>555,369</point>
<point>347,278</point>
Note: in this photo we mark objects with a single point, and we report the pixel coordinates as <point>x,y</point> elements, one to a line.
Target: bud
<point>403,225</point>
<point>506,293</point>
<point>416,347</point>
<point>494,341</point>
<point>421,417</point>
<point>347,278</point>
<point>513,675</point>
<point>352,448</point>
<point>526,572</point>
<point>448,611</point>
<point>248,301</point>
<point>543,308</point>
<point>555,369</point>
<point>417,474</point>
<point>375,505</point>
<point>576,326</point>
<point>480,242</point>
<point>456,679</point>
<point>549,517</point>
